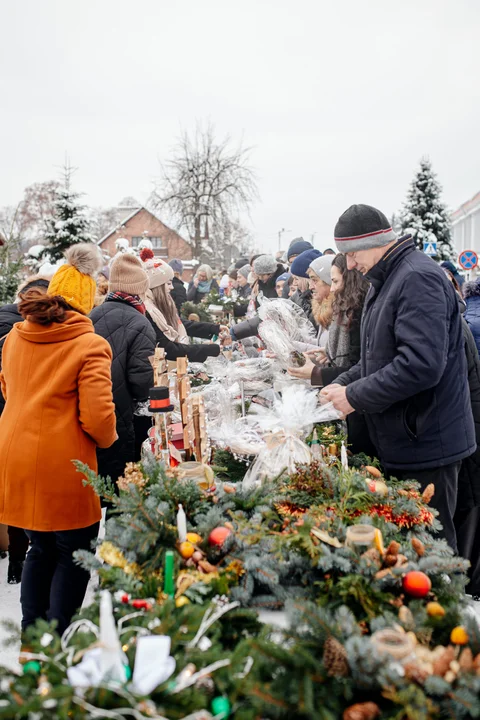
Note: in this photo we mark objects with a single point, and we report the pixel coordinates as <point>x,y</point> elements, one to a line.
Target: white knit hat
<point>321,267</point>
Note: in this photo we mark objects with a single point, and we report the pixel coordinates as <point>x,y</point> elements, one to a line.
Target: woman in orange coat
<point>57,385</point>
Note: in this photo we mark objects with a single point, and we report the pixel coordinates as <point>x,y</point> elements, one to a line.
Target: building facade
<point>136,224</point>
<point>466,225</point>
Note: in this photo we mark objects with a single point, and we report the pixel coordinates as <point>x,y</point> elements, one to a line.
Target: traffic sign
<point>430,248</point>
<point>468,259</point>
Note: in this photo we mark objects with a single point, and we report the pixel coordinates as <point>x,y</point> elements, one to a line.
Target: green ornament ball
<point>128,672</point>
<point>33,667</point>
<point>221,707</point>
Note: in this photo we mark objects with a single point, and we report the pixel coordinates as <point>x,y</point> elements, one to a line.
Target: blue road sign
<point>430,248</point>
<point>468,259</point>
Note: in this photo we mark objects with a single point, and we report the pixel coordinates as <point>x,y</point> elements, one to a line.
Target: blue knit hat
<point>297,247</point>
<point>282,278</point>
<point>301,263</point>
<point>176,265</point>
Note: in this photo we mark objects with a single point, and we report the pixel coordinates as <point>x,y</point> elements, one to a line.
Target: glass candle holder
<point>195,471</point>
<point>360,536</point>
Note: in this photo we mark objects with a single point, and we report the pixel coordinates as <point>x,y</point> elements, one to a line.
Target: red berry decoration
<point>141,605</point>
<point>219,535</point>
<point>125,599</point>
<point>416,584</point>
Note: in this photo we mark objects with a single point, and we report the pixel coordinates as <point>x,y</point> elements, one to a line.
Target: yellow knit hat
<point>73,281</point>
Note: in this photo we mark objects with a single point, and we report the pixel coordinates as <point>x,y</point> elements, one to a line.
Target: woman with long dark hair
<point>349,289</point>
<point>171,332</point>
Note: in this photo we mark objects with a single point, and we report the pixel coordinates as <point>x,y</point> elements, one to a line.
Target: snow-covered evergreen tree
<point>70,225</point>
<point>10,274</point>
<point>424,215</point>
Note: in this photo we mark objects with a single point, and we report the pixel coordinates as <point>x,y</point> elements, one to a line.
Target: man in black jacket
<point>121,321</point>
<point>411,380</point>
<point>178,292</point>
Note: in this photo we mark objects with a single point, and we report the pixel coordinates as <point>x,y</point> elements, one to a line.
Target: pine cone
<point>418,546</point>
<point>393,548</point>
<point>335,658</point>
<point>389,560</point>
<point>428,493</point>
<point>362,711</point>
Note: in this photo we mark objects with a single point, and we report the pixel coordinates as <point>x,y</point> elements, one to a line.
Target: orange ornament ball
<point>186,549</point>
<point>219,535</point>
<point>459,636</point>
<point>416,584</point>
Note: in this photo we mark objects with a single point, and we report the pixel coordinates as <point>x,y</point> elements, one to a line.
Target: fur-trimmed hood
<point>471,289</point>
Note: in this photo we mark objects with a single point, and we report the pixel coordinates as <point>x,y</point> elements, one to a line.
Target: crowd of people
<point>395,347</point>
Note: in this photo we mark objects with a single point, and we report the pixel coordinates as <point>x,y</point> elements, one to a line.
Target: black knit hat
<point>362,227</point>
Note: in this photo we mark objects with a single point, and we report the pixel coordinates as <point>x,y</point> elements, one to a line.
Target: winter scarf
<point>175,335</point>
<point>204,286</point>
<point>338,345</point>
<point>134,300</point>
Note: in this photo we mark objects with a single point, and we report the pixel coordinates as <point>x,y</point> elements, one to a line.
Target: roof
<point>120,224</point>
<point>467,207</point>
<point>126,219</point>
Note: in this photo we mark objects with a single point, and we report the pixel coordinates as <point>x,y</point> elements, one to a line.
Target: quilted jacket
<point>132,340</point>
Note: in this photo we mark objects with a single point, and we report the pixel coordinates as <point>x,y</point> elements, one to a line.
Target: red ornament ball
<point>219,535</point>
<point>416,584</point>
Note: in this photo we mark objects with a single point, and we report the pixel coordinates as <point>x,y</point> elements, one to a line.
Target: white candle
<point>181,524</point>
<point>344,456</point>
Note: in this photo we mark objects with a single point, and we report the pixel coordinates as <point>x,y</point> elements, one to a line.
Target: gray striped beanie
<point>362,227</point>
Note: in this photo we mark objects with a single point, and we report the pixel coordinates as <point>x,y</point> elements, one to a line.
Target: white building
<point>466,225</point>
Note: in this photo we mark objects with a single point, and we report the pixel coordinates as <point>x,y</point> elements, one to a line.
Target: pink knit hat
<point>159,274</point>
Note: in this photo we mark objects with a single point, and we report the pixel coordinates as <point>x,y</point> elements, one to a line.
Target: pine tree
<point>70,226</point>
<point>9,275</point>
<point>424,215</point>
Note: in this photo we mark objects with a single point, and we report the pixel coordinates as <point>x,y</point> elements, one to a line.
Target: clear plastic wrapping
<point>284,427</point>
<point>283,324</point>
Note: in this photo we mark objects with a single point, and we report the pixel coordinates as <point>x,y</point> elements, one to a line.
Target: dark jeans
<point>17,544</point>
<point>53,585</point>
<point>445,480</point>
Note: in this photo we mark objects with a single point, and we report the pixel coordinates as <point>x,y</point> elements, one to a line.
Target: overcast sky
<point>338,98</point>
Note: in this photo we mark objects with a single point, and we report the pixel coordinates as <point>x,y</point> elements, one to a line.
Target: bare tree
<point>102,221</point>
<point>205,183</point>
<point>28,221</point>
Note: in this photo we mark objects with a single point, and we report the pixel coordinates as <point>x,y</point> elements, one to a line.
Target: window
<point>157,242</point>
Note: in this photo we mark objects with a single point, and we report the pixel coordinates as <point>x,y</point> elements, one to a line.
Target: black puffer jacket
<point>174,350</point>
<point>178,293</point>
<point>9,315</point>
<point>132,340</point>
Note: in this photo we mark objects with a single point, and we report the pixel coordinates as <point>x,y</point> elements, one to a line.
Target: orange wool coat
<point>57,383</point>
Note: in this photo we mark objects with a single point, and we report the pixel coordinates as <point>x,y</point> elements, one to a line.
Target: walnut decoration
<point>132,476</point>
